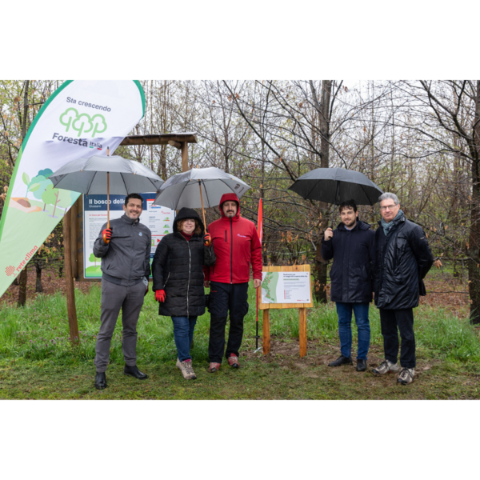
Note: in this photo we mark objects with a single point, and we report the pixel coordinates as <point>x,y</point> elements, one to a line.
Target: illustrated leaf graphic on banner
<point>25,178</point>
<point>78,116</point>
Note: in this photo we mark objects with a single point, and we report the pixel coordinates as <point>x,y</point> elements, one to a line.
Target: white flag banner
<point>80,119</point>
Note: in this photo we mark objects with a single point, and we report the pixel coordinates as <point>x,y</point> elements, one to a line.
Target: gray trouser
<point>130,300</point>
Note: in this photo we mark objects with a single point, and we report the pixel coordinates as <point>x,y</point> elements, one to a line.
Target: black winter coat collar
<point>359,226</point>
<point>129,220</point>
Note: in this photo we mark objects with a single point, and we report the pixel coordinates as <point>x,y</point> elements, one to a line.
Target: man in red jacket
<point>237,247</point>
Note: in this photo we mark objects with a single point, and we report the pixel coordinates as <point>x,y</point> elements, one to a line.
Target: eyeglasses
<point>389,207</point>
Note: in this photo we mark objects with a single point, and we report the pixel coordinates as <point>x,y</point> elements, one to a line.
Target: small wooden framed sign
<point>286,287</point>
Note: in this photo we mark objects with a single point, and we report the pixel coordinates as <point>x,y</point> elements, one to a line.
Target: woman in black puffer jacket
<point>178,280</point>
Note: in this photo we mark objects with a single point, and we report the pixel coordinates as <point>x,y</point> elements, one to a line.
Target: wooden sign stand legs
<point>302,331</point>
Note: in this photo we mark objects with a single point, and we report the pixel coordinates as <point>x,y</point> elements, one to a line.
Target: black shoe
<point>134,372</point>
<point>361,365</point>
<point>341,360</point>
<point>100,381</point>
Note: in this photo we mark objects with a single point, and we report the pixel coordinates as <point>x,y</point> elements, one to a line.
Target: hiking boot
<point>186,369</point>
<point>341,360</point>
<point>214,367</point>
<point>385,367</point>
<point>100,381</point>
<point>406,376</point>
<point>233,361</point>
<point>361,365</point>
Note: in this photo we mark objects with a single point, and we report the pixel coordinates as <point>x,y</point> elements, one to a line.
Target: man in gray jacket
<point>125,252</point>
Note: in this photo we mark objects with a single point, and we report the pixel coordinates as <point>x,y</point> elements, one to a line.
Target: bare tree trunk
<point>321,265</point>
<point>38,281</point>
<point>22,291</point>
<point>474,240</point>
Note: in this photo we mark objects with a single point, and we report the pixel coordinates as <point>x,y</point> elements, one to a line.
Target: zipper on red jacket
<point>231,252</point>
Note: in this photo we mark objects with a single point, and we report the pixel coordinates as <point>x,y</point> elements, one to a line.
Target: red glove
<point>160,296</point>
<point>107,235</point>
<point>207,240</point>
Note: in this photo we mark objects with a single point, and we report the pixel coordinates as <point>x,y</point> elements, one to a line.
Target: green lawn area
<point>37,361</point>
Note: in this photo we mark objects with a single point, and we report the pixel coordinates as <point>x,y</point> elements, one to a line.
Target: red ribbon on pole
<point>260,220</point>
<point>260,236</point>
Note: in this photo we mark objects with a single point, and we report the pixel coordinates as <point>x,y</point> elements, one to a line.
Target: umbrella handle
<point>105,239</point>
<point>209,242</point>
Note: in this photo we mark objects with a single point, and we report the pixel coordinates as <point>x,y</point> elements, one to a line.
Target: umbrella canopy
<point>336,185</point>
<point>183,189</point>
<point>89,175</point>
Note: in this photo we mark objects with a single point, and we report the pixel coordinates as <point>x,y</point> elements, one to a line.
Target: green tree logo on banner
<point>82,122</point>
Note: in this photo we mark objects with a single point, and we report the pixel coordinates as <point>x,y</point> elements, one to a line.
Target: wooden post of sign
<point>67,255</point>
<point>266,331</point>
<point>303,331</point>
<point>302,311</point>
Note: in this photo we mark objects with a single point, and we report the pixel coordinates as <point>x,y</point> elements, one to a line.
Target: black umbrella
<point>336,185</point>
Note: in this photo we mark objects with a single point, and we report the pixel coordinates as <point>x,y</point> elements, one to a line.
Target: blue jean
<point>183,328</point>
<point>344,311</point>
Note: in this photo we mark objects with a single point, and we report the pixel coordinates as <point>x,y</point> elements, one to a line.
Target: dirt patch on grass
<point>287,354</point>
<point>51,284</point>
<point>447,293</point>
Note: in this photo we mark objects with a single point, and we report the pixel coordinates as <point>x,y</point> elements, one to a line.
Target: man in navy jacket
<point>352,247</point>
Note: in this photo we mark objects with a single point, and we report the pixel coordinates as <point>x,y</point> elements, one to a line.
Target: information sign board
<point>157,218</point>
<point>286,287</point>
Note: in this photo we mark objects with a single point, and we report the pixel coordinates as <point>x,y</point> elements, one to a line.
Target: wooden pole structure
<point>74,238</point>
<point>71,309</point>
<point>184,150</point>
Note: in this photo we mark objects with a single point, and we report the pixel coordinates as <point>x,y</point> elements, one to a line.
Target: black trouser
<point>225,297</point>
<point>403,319</point>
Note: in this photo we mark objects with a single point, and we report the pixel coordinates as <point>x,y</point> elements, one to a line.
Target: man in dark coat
<point>125,271</point>
<point>403,260</point>
<point>352,247</point>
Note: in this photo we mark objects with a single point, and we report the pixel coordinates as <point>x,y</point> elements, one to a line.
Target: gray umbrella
<point>199,187</point>
<point>183,189</point>
<point>99,174</point>
<point>89,176</point>
<point>336,185</point>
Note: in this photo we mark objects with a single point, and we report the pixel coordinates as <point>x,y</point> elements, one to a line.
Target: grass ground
<point>37,361</point>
